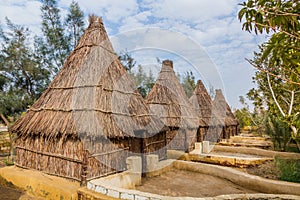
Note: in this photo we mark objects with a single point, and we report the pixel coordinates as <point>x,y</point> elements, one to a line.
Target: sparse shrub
<point>289,169</point>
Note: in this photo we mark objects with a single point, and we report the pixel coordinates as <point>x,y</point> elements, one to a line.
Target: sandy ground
<point>193,184</point>
<point>9,192</point>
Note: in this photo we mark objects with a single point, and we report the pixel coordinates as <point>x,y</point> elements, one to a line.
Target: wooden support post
<point>5,120</point>
<point>186,145</point>
<point>141,136</point>
<point>84,171</point>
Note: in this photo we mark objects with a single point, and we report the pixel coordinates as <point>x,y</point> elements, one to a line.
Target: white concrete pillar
<point>205,147</point>
<point>134,164</point>
<point>152,162</point>
<point>198,147</point>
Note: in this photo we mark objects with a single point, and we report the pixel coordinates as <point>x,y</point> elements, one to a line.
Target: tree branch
<point>292,102</point>
<point>270,73</point>
<point>274,98</point>
<point>281,13</point>
<point>274,28</point>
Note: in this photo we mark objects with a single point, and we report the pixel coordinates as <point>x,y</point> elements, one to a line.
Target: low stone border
<point>275,188</point>
<point>225,160</point>
<point>257,151</point>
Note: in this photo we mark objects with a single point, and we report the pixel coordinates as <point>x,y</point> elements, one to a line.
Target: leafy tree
<point>212,91</point>
<point>282,99</point>
<point>22,77</point>
<point>26,65</point>
<point>144,82</point>
<point>188,83</point>
<point>280,18</point>
<point>279,132</point>
<point>74,23</point>
<point>149,82</point>
<point>54,43</point>
<point>127,60</point>
<point>278,62</point>
<point>243,117</point>
<point>256,118</point>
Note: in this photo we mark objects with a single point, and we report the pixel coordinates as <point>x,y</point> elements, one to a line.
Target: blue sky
<point>200,35</point>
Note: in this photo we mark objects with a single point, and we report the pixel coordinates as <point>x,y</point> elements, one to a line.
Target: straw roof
<point>92,96</point>
<point>224,111</point>
<point>203,104</point>
<point>168,100</point>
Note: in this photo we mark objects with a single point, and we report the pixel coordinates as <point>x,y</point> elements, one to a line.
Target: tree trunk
<point>10,137</point>
<point>294,129</point>
<point>5,120</point>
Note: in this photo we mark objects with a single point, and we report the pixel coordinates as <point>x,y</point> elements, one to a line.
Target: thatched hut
<point>203,105</point>
<point>90,118</point>
<point>168,100</point>
<point>225,114</point>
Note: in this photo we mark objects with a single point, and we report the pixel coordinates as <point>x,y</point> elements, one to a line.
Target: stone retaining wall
<point>105,187</point>
<point>256,151</point>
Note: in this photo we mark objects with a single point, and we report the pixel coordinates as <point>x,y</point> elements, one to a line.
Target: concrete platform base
<point>235,160</point>
<point>257,151</point>
<point>246,141</point>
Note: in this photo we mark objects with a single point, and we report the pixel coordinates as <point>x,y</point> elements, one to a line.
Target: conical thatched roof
<point>224,111</point>
<point>92,96</point>
<point>168,100</point>
<point>203,104</point>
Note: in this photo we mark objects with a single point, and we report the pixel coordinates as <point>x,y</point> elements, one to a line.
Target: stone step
<point>257,145</point>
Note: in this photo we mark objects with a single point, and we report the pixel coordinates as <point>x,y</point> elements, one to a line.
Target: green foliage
<point>143,81</point>
<point>290,169</point>
<point>256,118</point>
<point>270,15</point>
<point>74,23</point>
<point>23,77</point>
<point>27,65</point>
<point>279,131</point>
<point>54,44</point>
<point>188,83</point>
<point>278,61</point>
<point>243,117</point>
<point>127,60</point>
<point>8,162</point>
<point>58,41</point>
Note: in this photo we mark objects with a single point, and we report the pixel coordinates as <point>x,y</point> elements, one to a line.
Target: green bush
<point>289,169</point>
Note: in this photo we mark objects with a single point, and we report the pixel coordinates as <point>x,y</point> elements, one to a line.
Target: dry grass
<point>266,170</point>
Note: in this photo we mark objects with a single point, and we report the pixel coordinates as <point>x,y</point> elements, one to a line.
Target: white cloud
<point>22,12</point>
<point>190,10</point>
<point>112,10</point>
<point>167,44</point>
<point>211,25</point>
